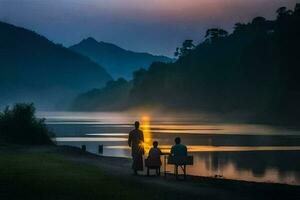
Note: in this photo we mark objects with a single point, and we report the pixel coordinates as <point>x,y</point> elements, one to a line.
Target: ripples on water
<point>235,151</point>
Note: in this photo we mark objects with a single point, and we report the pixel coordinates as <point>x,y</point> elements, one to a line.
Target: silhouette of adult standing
<point>135,141</point>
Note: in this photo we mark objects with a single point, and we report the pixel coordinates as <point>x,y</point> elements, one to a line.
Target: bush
<point>20,126</point>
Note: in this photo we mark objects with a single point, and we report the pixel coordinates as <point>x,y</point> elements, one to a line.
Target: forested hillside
<point>254,69</point>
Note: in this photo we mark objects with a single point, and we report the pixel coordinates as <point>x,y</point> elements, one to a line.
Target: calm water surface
<point>235,151</point>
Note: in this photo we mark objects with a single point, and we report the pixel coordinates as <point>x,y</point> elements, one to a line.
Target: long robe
<point>135,141</point>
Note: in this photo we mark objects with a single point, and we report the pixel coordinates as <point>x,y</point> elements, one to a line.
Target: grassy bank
<point>55,172</point>
<point>36,175</point>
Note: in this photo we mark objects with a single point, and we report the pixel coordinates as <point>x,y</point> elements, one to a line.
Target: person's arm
<point>142,140</point>
<point>172,151</point>
<point>142,136</point>
<point>129,139</point>
<point>160,152</point>
<point>185,149</point>
<point>150,153</point>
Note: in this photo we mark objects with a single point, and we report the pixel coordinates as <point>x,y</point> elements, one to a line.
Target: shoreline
<point>193,171</point>
<point>193,187</point>
<point>189,177</point>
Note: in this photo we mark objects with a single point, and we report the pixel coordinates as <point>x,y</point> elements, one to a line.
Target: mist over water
<point>235,151</point>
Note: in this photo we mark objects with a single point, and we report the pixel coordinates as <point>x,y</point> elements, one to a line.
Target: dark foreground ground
<point>68,173</point>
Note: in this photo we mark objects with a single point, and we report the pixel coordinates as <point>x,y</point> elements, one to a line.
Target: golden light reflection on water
<point>107,134</point>
<point>199,148</point>
<point>90,139</point>
<point>146,128</point>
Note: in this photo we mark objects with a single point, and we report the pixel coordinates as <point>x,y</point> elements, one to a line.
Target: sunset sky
<point>155,26</point>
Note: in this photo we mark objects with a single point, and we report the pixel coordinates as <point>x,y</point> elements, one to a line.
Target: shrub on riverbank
<point>19,125</point>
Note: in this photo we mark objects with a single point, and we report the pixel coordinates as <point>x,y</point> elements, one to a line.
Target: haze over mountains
<point>254,70</point>
<point>116,60</point>
<point>34,69</point>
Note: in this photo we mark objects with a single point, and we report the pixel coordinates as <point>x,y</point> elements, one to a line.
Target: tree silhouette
<point>239,27</point>
<point>19,125</point>
<point>297,9</point>
<point>283,12</point>
<point>138,76</point>
<point>214,34</point>
<point>258,20</point>
<point>187,47</point>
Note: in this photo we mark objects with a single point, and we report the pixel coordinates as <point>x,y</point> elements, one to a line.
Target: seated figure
<point>178,149</point>
<point>179,157</point>
<point>153,161</point>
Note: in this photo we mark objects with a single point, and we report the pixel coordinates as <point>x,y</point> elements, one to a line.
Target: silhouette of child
<point>154,154</point>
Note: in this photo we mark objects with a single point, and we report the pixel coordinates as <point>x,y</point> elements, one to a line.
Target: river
<point>226,150</point>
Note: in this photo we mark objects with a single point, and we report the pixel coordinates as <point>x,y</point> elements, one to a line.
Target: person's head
<point>137,125</point>
<point>155,144</point>
<point>177,140</point>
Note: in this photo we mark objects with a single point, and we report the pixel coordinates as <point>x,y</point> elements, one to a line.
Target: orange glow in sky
<point>155,26</point>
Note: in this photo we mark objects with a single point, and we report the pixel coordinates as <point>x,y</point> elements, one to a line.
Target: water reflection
<point>196,148</point>
<point>107,134</point>
<point>236,151</point>
<point>272,166</point>
<point>90,139</point>
<point>146,127</point>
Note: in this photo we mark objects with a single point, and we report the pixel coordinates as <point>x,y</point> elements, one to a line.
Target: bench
<point>182,162</point>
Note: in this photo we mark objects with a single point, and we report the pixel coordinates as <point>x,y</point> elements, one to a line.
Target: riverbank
<point>61,172</point>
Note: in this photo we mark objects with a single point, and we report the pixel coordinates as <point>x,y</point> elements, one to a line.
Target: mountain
<point>117,61</point>
<point>34,69</point>
<point>113,96</point>
<point>252,72</point>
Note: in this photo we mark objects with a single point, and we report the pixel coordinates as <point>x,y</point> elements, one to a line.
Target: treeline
<point>254,69</point>
<point>19,125</point>
<point>114,96</point>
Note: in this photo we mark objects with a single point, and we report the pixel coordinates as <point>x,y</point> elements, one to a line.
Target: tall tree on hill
<point>185,49</point>
<point>214,34</point>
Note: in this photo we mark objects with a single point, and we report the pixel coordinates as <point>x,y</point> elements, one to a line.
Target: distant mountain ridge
<point>116,60</point>
<point>251,74</point>
<point>34,69</point>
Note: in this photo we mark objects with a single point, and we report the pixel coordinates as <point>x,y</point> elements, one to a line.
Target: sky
<point>154,26</point>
